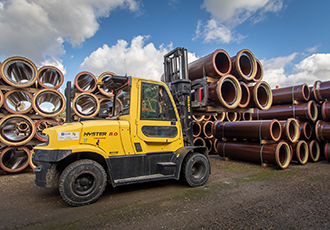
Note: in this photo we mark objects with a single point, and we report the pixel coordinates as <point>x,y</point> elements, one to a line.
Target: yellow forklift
<point>148,137</point>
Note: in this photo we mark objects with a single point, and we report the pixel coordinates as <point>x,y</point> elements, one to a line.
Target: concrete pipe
<point>43,124</point>
<point>290,130</point>
<point>19,72</point>
<point>85,82</point>
<point>322,130</point>
<point>300,152</point>
<point>260,72</point>
<point>197,129</point>
<point>231,116</point>
<point>18,101</point>
<point>207,129</point>
<point>215,65</point>
<point>261,96</point>
<point>198,118</point>
<point>325,110</point>
<point>303,112</point>
<point>244,65</point>
<point>48,103</point>
<point>288,95</point>
<point>16,130</point>
<point>199,141</point>
<point>246,96</point>
<point>306,130</point>
<point>278,153</point>
<point>50,77</point>
<point>225,92</point>
<point>104,87</point>
<point>86,105</point>
<point>314,151</point>
<point>321,90</point>
<point>14,159</point>
<point>251,130</point>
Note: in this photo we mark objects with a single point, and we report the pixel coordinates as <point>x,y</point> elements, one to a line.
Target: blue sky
<point>289,37</point>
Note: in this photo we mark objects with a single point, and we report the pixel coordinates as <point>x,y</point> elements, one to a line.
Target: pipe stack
<point>29,102</point>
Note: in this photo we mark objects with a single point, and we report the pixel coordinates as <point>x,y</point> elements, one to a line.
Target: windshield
<point>122,103</point>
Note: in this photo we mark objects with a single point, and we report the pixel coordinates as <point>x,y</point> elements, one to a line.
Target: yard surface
<point>238,195</point>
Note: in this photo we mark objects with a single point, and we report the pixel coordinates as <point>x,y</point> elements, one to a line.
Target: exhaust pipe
<point>290,130</point>
<point>18,101</point>
<point>86,105</point>
<point>14,159</point>
<point>19,72</point>
<point>251,130</point>
<point>48,103</point>
<point>16,130</point>
<point>85,82</point>
<point>261,96</point>
<point>278,153</point>
<point>288,95</point>
<point>225,92</point>
<point>300,152</point>
<point>244,65</point>
<point>50,77</point>
<point>215,65</point>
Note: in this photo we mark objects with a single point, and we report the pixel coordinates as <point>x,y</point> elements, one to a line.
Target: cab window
<point>156,103</point>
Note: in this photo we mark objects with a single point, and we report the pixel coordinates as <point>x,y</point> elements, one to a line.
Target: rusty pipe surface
<point>19,72</point>
<point>197,129</point>
<point>288,95</point>
<point>261,96</point>
<point>314,151</point>
<point>278,153</point>
<point>215,65</point>
<point>14,159</point>
<point>260,72</point>
<point>11,133</point>
<point>18,101</point>
<point>322,130</point>
<point>290,130</point>
<point>106,83</point>
<point>43,124</point>
<point>325,110</point>
<point>225,92</point>
<point>50,77</point>
<point>306,130</point>
<point>321,90</point>
<point>86,105</point>
<point>252,130</point>
<point>244,65</point>
<point>300,152</point>
<point>48,103</point>
<point>303,112</point>
<point>246,96</point>
<point>207,129</point>
<point>199,141</point>
<point>85,82</point>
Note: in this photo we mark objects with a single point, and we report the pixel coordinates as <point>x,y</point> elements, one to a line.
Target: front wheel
<point>82,182</point>
<point>195,170</point>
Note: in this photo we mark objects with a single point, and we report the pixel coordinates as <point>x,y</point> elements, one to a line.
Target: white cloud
<point>226,15</point>
<point>38,28</point>
<point>141,60</point>
<point>314,67</point>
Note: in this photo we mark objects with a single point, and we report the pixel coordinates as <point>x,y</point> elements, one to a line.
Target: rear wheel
<point>195,170</point>
<point>82,182</point>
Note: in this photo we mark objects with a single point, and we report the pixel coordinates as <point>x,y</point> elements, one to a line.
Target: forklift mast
<point>187,94</point>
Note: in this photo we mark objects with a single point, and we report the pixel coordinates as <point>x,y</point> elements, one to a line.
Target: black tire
<point>195,170</point>
<point>82,182</point>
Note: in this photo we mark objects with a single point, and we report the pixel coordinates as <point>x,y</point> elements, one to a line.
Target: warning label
<point>67,136</point>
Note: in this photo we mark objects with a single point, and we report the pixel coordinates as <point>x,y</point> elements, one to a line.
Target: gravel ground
<point>238,195</point>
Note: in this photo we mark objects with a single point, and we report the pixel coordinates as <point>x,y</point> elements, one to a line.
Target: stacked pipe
<point>300,103</point>
<point>235,86</point>
<point>29,102</point>
<point>90,99</point>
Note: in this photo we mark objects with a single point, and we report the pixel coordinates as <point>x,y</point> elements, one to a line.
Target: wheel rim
<point>197,170</point>
<point>84,184</point>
